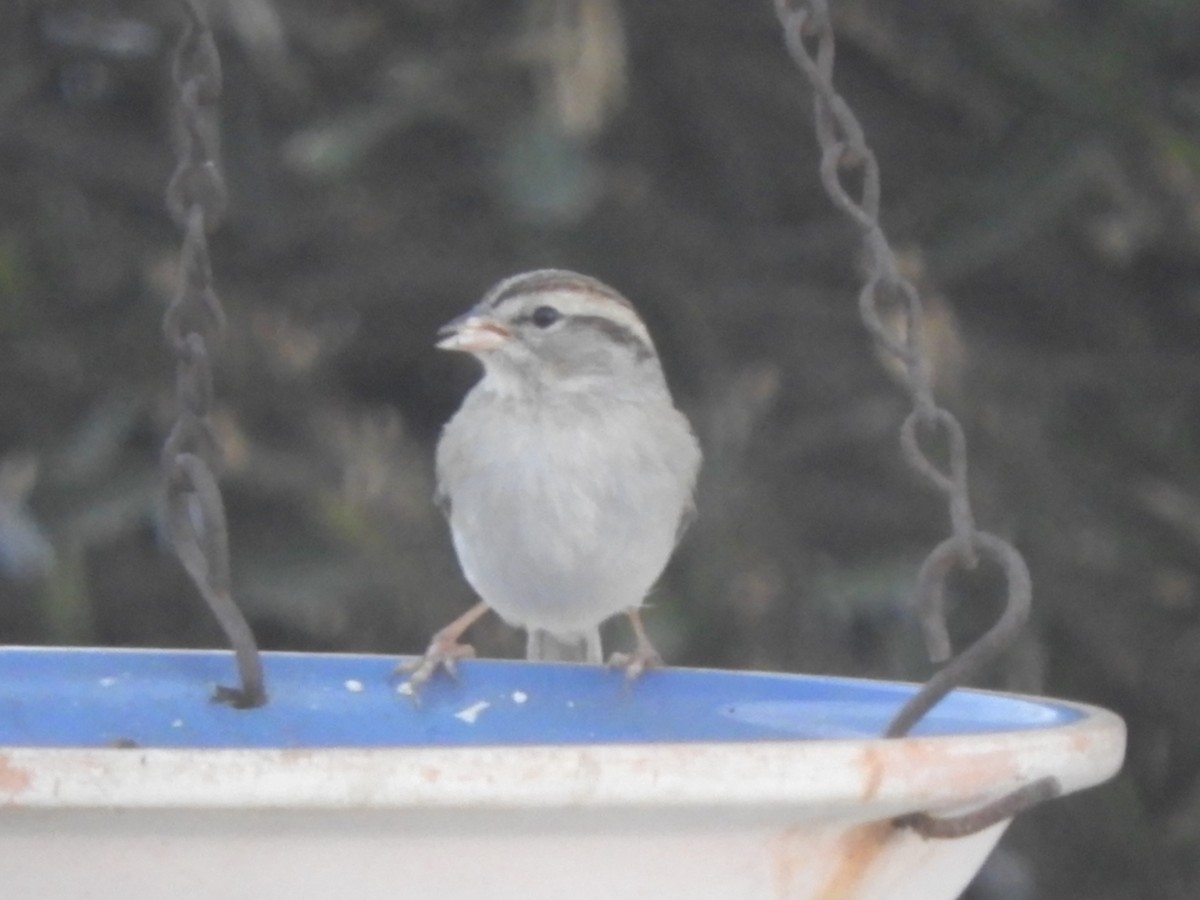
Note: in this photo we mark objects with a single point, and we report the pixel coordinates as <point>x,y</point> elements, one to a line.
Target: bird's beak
<point>473,332</point>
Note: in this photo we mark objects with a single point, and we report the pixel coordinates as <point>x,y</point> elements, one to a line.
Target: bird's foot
<point>644,656</point>
<point>637,663</point>
<point>444,653</point>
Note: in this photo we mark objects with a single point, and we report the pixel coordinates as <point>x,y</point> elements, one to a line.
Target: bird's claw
<point>636,663</point>
<point>442,654</point>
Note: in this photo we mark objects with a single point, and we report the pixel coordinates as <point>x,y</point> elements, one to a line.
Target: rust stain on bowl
<point>13,780</point>
<point>856,853</point>
<point>796,854</point>
<point>873,763</point>
<point>1082,743</point>
<point>936,766</point>
<point>916,768</point>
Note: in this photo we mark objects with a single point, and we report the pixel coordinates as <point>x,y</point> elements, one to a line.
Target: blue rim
<point>99,698</point>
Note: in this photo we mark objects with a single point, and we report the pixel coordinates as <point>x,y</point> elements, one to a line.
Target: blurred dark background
<point>389,159</point>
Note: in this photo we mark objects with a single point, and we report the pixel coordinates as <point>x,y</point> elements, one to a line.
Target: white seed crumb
<point>519,696</point>
<point>570,704</point>
<point>354,686</point>
<point>178,723</point>
<point>471,713</point>
<point>405,688</point>
<point>107,681</point>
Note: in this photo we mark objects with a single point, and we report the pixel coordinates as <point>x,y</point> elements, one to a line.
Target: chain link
<point>845,152</point>
<point>1010,805</point>
<point>193,510</point>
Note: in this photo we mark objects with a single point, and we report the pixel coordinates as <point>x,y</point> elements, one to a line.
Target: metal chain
<point>1001,810</point>
<point>193,510</point>
<point>844,150</point>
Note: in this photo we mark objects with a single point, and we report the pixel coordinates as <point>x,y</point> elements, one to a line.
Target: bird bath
<point>119,779</point>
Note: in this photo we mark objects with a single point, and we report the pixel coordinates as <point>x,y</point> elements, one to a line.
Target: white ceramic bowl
<point>119,779</point>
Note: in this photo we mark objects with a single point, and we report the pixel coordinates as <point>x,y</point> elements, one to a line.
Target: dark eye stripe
<point>542,317</point>
<point>548,281</point>
<point>616,332</point>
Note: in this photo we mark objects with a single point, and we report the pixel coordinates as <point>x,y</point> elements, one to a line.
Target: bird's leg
<point>643,657</point>
<point>444,650</point>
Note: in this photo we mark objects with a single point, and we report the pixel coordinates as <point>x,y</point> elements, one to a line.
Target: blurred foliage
<point>389,159</point>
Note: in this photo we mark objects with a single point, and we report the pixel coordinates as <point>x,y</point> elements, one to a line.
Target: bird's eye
<point>545,316</point>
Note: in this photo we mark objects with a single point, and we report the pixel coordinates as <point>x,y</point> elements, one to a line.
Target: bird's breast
<point>571,518</point>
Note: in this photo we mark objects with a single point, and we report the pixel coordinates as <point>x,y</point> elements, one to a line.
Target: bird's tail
<point>544,646</point>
